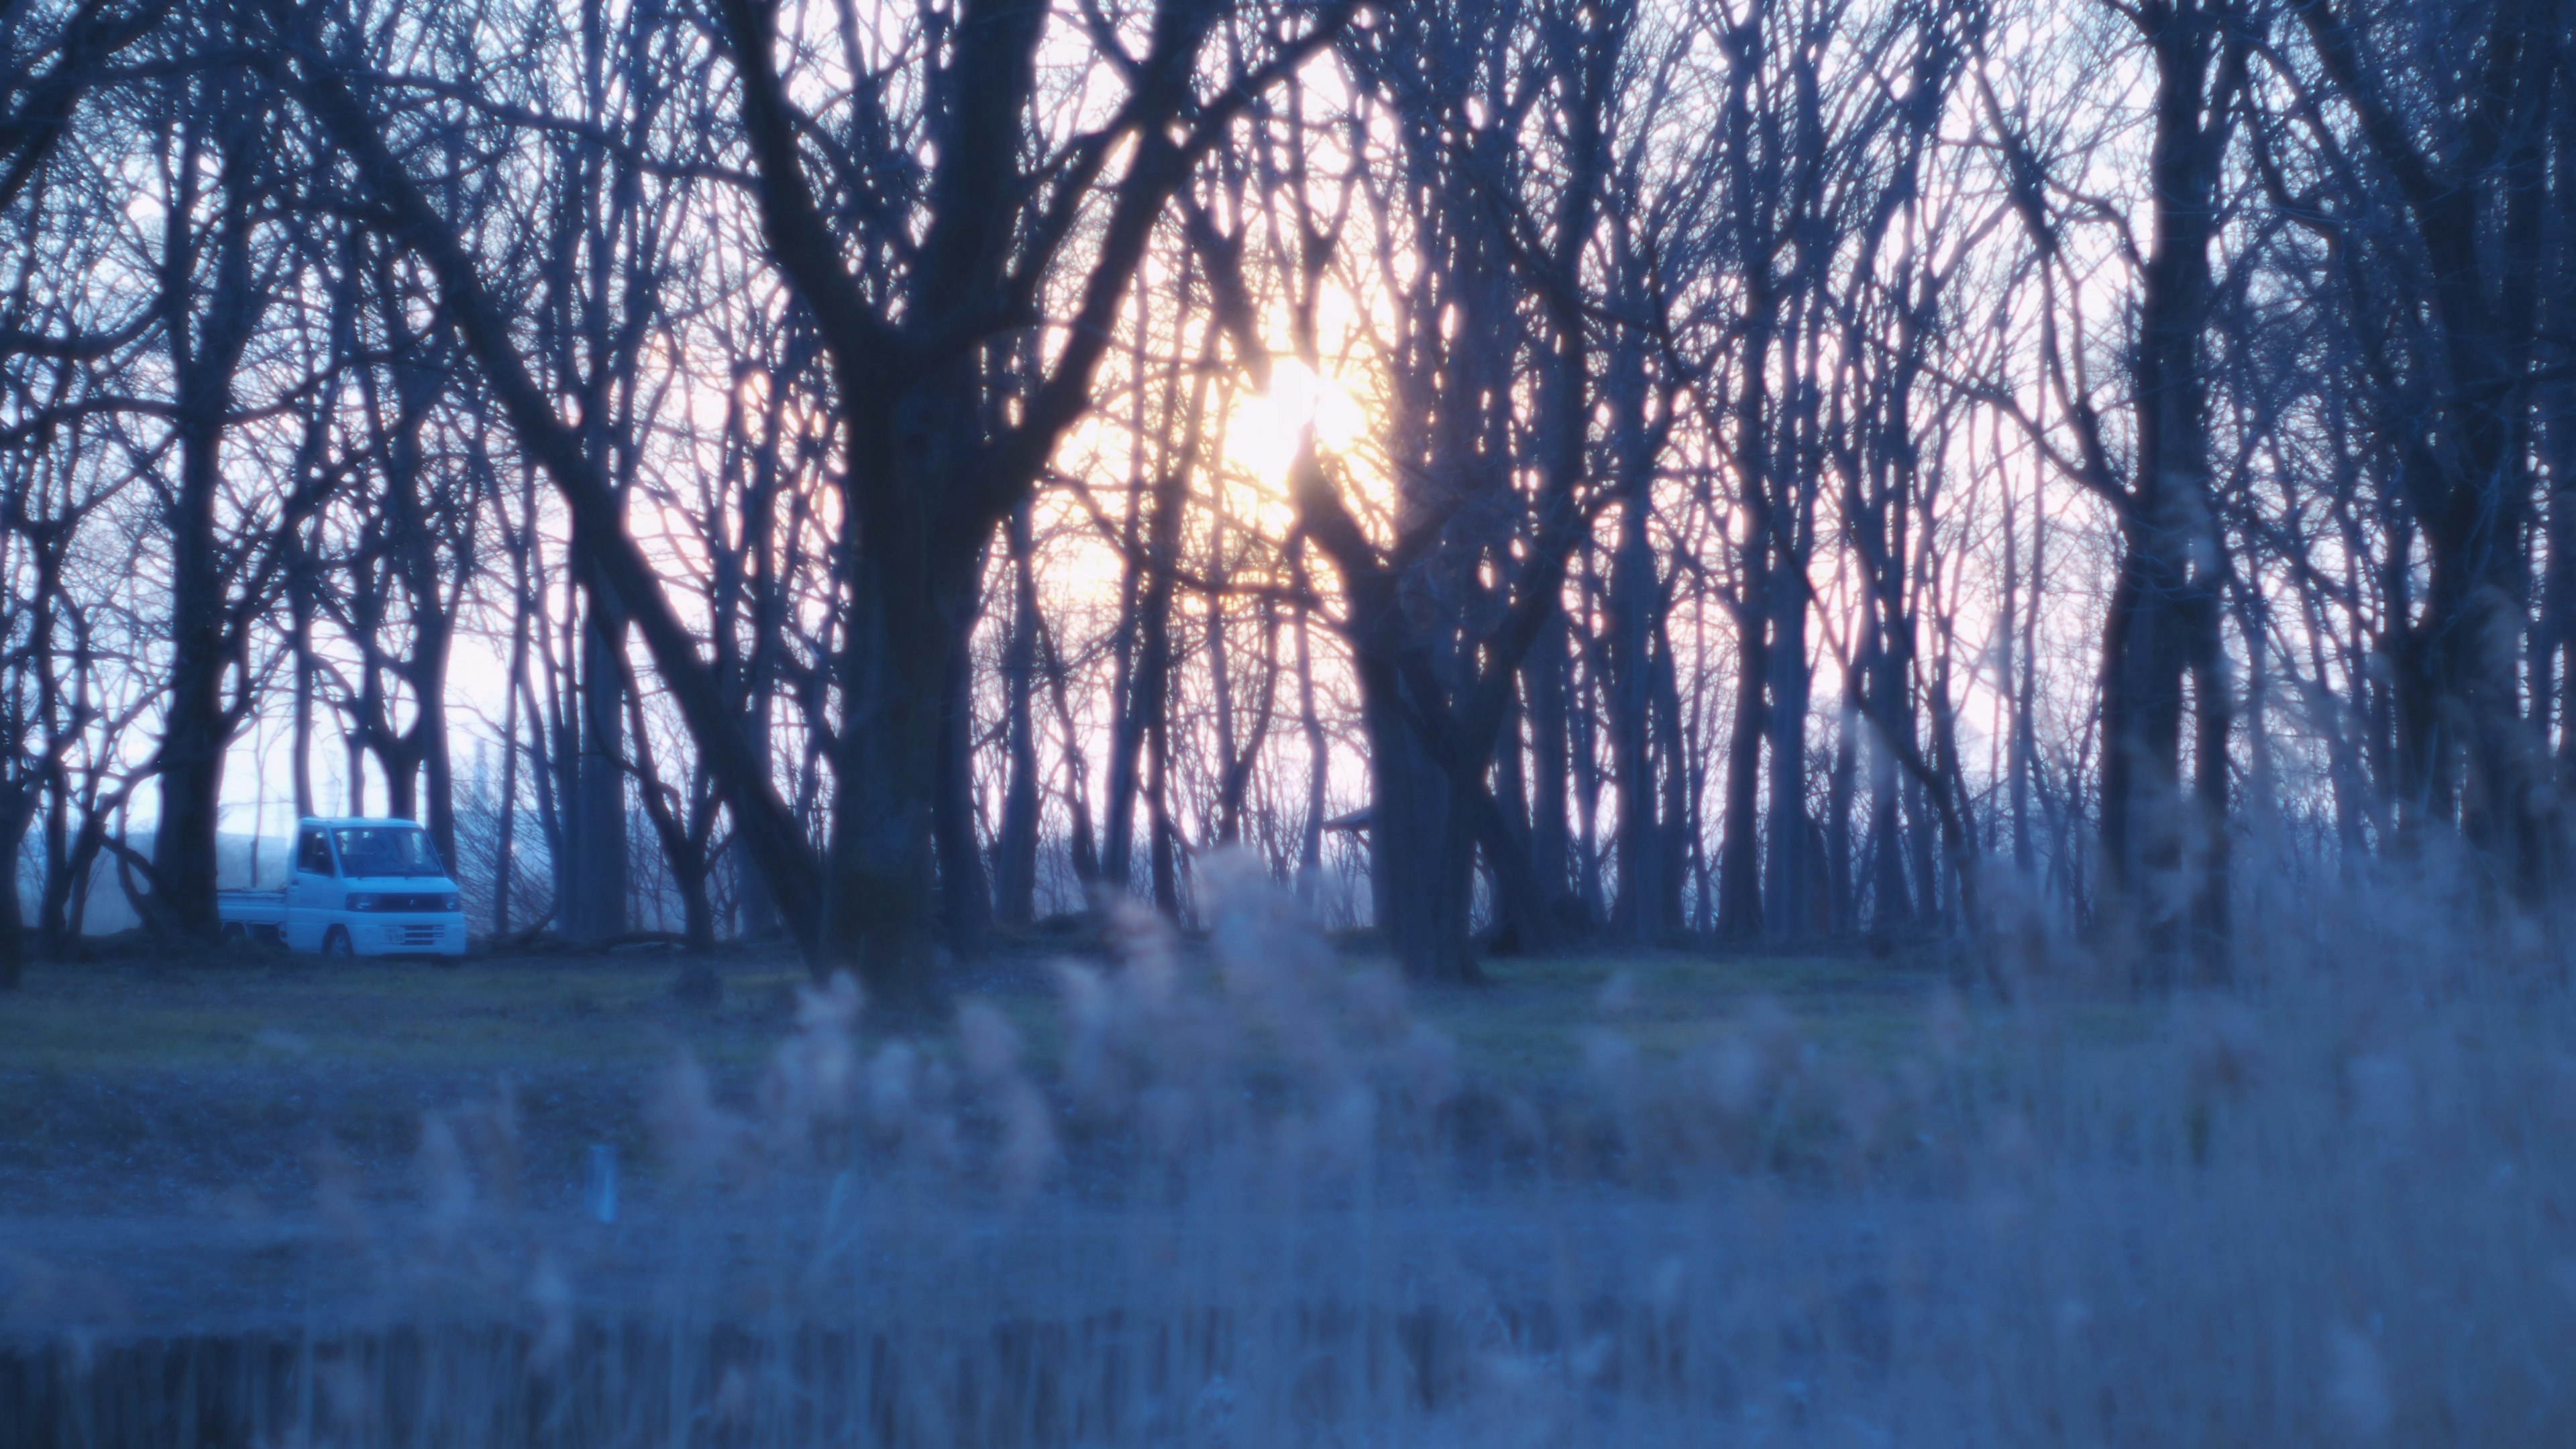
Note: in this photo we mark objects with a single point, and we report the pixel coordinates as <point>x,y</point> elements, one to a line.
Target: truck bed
<point>251,908</point>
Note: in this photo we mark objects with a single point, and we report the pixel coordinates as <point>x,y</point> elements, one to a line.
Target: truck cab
<point>358,887</point>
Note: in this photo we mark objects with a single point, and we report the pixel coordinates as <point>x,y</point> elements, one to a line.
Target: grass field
<point>144,1080</point>
<point>1246,1189</point>
<point>257,1007</point>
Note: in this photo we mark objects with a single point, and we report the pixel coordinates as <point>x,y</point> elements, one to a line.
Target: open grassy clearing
<point>166,1085</point>
<point>258,1008</point>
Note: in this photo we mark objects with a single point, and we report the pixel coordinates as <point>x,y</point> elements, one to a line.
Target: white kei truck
<point>355,888</point>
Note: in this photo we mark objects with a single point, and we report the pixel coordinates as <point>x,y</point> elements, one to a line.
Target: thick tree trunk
<point>2157,844</point>
<point>17,812</point>
<point>205,351</point>
<point>697,921</point>
<point>1787,907</point>
<point>398,757</point>
<point>193,732</point>
<point>54,891</point>
<point>437,763</point>
<point>2145,896</point>
<point>2212,846</point>
<point>909,589</point>
<point>596,907</point>
<point>879,903</point>
<point>1421,858</point>
<point>1399,687</point>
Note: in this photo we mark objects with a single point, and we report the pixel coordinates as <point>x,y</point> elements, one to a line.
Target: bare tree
<point>2452,115</point>
<point>2164,849</point>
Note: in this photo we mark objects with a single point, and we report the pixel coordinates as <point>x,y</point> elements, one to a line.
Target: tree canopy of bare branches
<point>1735,472</point>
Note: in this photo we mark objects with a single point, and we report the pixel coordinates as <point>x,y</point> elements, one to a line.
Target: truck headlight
<point>451,904</point>
<point>364,901</point>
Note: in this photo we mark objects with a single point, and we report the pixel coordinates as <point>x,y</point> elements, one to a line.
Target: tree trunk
<point>697,920</point>
<point>1583,751</point>
<point>1673,769</point>
<point>1739,867</point>
<point>2025,686</point>
<point>2212,846</point>
<point>57,847</point>
<point>1310,845</point>
<point>2143,812</point>
<point>965,896</point>
<point>2155,842</point>
<point>299,596</point>
<point>1543,691</point>
<point>1164,838</point>
<point>882,911</point>
<point>1148,683</point>
<point>1787,908</point>
<point>596,908</point>
<point>438,766</point>
<point>1842,903</point>
<point>1636,905</point>
<point>205,352</point>
<point>514,686</point>
<point>1081,845</point>
<point>1421,860</point>
<point>17,811</point>
<point>1015,864</point>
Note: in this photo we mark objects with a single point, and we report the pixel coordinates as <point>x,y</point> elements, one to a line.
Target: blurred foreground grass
<point>1250,1191</point>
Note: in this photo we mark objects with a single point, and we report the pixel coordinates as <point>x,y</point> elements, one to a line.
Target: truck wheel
<point>337,945</point>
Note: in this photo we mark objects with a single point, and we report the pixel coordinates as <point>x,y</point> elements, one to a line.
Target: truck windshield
<point>385,850</point>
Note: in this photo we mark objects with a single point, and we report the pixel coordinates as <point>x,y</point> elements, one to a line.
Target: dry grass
<point>1255,1194</point>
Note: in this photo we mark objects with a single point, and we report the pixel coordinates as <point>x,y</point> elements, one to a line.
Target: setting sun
<point>1269,425</point>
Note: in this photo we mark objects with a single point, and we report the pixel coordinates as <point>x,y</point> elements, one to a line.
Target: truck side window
<point>313,857</point>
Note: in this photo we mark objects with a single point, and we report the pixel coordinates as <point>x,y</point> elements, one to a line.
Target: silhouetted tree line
<point>1748,471</point>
